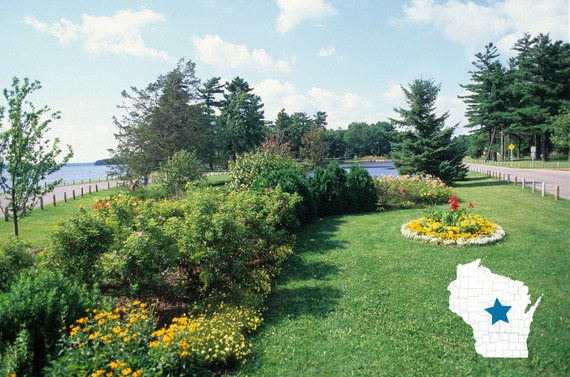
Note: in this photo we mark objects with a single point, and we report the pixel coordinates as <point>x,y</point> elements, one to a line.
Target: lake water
<point>374,168</point>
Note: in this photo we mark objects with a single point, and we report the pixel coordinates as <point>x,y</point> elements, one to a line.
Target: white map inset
<point>476,289</point>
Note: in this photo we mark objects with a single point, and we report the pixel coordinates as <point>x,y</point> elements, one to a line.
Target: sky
<point>348,58</point>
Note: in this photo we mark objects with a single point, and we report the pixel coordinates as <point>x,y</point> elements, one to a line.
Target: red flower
<point>454,203</point>
<point>403,190</point>
<point>470,205</point>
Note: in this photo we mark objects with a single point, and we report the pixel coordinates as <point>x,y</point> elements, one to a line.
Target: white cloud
<point>326,51</point>
<point>341,109</point>
<point>214,50</point>
<point>294,12</point>
<point>120,34</point>
<point>503,22</point>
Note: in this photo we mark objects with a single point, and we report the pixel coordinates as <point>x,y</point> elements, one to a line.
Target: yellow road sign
<point>512,146</point>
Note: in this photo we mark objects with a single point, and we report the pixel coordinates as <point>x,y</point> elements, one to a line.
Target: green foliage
<point>291,181</point>
<point>121,342</point>
<point>409,191</point>
<point>561,135</point>
<point>25,155</point>
<point>17,359</point>
<point>313,149</point>
<point>291,128</point>
<point>178,170</point>
<point>329,189</point>
<point>362,194</point>
<point>249,166</point>
<point>77,244</point>
<point>427,146</point>
<point>364,139</point>
<point>42,303</point>
<point>15,256</point>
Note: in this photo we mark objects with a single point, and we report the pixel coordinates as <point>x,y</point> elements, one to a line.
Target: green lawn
<point>357,298</point>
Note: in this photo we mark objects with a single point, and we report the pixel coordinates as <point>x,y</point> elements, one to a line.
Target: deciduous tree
<point>25,154</point>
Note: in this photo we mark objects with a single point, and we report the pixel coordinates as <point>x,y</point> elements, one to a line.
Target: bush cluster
<point>15,256</point>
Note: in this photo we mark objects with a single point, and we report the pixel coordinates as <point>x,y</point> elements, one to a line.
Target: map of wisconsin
<point>495,307</point>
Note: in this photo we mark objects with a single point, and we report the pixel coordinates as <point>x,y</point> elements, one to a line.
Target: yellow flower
<point>126,371</point>
<point>98,373</point>
<point>154,344</point>
<point>100,322</point>
<point>137,373</point>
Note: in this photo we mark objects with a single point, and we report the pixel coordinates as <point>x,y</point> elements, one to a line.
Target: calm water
<point>78,172</point>
<point>374,168</point>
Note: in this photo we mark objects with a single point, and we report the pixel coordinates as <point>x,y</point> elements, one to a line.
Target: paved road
<point>551,177</point>
<point>60,190</point>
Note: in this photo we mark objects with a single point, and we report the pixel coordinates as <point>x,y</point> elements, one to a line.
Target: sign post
<point>533,155</point>
<point>511,147</point>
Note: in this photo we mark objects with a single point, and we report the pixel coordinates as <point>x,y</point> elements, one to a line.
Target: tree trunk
<point>488,158</point>
<point>543,146</point>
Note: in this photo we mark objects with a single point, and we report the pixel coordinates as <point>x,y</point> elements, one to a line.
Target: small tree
<point>313,148</point>
<point>427,146</point>
<point>27,157</point>
<point>181,168</point>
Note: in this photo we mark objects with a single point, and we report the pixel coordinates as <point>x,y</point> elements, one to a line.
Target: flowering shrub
<point>77,244</point>
<point>408,191</point>
<point>453,226</point>
<point>246,168</point>
<point>119,343</point>
<point>124,342</point>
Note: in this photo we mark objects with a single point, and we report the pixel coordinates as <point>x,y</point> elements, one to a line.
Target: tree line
<point>524,102</point>
<point>218,121</point>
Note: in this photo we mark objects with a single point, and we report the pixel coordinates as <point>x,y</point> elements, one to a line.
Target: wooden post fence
<point>65,196</point>
<point>523,183</point>
<point>96,188</point>
<point>533,185</point>
<point>557,192</point>
<point>543,188</point>
<point>54,200</point>
<point>90,189</point>
<point>82,192</point>
<point>41,203</point>
<point>73,193</point>
<point>515,181</point>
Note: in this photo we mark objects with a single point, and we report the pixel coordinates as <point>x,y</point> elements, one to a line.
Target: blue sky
<point>345,57</point>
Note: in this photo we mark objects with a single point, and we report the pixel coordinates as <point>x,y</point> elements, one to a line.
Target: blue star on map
<point>498,312</point>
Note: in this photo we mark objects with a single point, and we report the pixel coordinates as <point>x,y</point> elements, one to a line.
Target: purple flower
<point>269,188</point>
<point>160,218</point>
<point>141,234</point>
<point>282,201</point>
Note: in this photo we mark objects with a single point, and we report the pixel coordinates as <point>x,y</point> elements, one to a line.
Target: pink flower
<point>403,190</point>
<point>160,218</point>
<point>269,188</point>
<point>141,234</point>
<point>139,216</point>
<point>282,201</point>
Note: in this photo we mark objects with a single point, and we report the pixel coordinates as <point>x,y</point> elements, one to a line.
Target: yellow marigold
<point>154,344</point>
<point>98,373</point>
<point>138,373</point>
<point>126,372</point>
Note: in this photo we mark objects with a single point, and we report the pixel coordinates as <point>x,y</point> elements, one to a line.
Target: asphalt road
<point>551,177</point>
<point>60,190</point>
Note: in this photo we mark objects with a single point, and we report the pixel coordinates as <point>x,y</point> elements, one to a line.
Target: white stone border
<point>497,235</point>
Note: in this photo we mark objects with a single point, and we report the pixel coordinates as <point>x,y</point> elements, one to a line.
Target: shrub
<point>409,191</point>
<point>249,166</point>
<point>236,239</point>
<point>291,181</point>
<point>17,359</point>
<point>329,189</point>
<point>77,244</point>
<point>15,256</point>
<point>120,343</point>
<point>362,193</point>
<point>42,304</point>
<point>181,168</point>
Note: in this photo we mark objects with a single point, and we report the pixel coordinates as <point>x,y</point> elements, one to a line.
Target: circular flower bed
<point>453,227</point>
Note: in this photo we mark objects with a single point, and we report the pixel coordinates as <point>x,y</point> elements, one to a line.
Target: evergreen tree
<point>160,120</point>
<point>241,119</point>
<point>426,147</point>
<point>541,71</point>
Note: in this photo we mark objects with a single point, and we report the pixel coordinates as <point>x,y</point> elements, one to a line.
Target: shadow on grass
<point>313,298</point>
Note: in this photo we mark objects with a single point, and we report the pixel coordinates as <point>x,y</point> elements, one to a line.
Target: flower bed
<point>453,227</point>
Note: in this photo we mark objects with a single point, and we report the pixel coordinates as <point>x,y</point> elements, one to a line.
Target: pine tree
<point>426,147</point>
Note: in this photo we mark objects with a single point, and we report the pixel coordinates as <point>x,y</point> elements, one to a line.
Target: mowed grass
<point>357,298</point>
<point>527,163</point>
